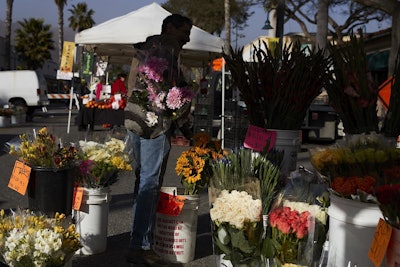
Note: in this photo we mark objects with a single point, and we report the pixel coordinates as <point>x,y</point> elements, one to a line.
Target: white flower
<point>151,119</point>
<point>236,208</point>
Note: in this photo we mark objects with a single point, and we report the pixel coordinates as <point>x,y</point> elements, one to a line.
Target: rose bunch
<point>236,208</point>
<point>288,228</point>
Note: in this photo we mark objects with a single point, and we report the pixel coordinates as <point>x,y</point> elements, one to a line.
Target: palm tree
<point>60,6</point>
<point>8,34</point>
<point>33,42</point>
<point>81,17</point>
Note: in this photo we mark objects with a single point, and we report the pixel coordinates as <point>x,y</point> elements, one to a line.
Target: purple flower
<point>154,68</point>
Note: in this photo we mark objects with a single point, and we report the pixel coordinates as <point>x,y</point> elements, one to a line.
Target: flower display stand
<point>352,227</point>
<point>51,190</point>
<point>393,250</point>
<point>176,225</point>
<point>92,220</point>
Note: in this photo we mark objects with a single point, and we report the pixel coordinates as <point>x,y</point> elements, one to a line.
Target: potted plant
<point>5,116</point>
<point>278,87</point>
<point>194,166</point>
<point>52,170</point>
<point>352,91</point>
<point>99,168</point>
<point>356,170</point>
<point>391,124</point>
<point>241,190</point>
<point>29,239</point>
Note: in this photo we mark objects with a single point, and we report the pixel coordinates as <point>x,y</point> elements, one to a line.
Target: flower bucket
<point>51,190</point>
<point>5,121</point>
<point>393,250</point>
<point>175,234</point>
<point>289,141</point>
<point>92,220</point>
<point>18,119</point>
<point>352,227</point>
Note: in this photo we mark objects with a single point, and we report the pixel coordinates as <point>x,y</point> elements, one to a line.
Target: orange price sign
<point>77,200</point>
<point>19,177</point>
<point>380,242</point>
<point>170,204</point>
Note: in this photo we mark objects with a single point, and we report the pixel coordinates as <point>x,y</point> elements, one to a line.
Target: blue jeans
<point>150,156</point>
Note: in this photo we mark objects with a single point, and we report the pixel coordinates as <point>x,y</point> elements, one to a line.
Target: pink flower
<point>174,98</point>
<point>154,68</point>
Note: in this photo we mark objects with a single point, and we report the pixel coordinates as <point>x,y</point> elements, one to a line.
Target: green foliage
<point>391,125</point>
<point>279,83</point>
<point>33,42</point>
<point>352,92</point>
<point>212,10</point>
<point>81,18</point>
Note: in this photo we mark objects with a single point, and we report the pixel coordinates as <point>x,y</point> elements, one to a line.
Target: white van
<point>25,88</point>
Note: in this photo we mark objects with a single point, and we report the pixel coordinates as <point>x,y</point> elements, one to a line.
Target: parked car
<point>23,88</point>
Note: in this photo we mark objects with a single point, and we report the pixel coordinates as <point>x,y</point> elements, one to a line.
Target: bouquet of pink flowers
<point>158,95</point>
<point>288,227</point>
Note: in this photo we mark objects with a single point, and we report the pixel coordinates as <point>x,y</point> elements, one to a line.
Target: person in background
<point>118,87</point>
<point>99,88</point>
<point>151,145</point>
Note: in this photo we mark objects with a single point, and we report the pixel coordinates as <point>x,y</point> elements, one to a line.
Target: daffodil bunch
<point>31,240</point>
<point>102,162</point>
<point>194,165</point>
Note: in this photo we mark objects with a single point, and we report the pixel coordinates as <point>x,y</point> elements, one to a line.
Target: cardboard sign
<point>170,204</point>
<point>257,138</point>
<point>20,177</point>
<point>77,200</point>
<point>380,242</point>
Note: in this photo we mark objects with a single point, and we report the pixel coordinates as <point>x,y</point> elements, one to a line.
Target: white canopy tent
<point>115,38</point>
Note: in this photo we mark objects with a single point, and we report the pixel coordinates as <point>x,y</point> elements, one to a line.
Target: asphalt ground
<point>119,219</point>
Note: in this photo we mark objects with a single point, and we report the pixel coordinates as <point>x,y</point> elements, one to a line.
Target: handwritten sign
<point>380,242</point>
<point>19,177</point>
<point>258,138</point>
<point>77,200</point>
<point>170,204</point>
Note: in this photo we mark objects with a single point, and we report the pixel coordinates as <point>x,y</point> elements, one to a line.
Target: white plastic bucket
<point>352,227</point>
<point>393,250</point>
<point>289,141</point>
<point>92,220</point>
<point>175,236</point>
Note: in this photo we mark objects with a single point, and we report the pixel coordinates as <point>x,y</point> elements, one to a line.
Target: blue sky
<point>108,9</point>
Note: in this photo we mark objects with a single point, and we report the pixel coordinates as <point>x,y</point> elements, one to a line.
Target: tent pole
<point>223,105</point>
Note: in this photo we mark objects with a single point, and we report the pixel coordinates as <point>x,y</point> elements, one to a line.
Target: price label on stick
<point>380,242</point>
<point>20,177</point>
<point>77,200</point>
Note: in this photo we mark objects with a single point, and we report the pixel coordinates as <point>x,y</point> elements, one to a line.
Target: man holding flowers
<point>159,97</point>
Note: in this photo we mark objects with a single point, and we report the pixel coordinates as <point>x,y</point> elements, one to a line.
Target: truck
<point>24,88</point>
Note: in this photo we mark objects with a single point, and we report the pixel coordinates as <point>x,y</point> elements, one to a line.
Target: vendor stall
<point>89,117</point>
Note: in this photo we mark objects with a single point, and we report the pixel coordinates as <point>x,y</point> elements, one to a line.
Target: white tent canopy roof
<point>115,38</point>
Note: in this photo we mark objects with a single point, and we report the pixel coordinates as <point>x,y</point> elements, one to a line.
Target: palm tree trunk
<point>8,34</point>
<point>227,27</point>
